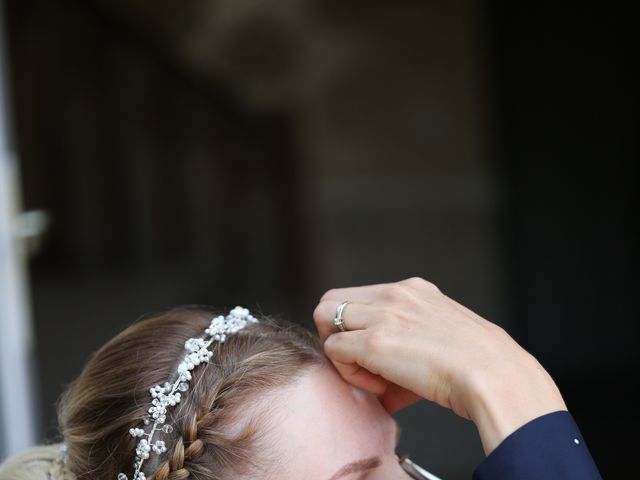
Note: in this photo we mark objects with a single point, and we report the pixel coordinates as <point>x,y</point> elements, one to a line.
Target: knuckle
<point>431,287</point>
<point>415,282</point>
<point>420,283</point>
<point>321,313</point>
<point>331,293</point>
<point>396,292</point>
<point>317,312</point>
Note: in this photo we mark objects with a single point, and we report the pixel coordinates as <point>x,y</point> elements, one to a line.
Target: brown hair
<point>220,426</point>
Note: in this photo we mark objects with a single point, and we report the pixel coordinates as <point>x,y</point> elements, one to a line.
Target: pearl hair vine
<point>169,394</point>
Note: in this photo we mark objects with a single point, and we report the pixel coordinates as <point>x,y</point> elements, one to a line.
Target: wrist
<point>505,398</point>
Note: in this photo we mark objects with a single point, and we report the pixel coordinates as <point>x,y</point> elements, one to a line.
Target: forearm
<point>505,397</point>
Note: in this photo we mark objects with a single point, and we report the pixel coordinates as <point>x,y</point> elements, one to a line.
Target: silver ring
<point>339,320</point>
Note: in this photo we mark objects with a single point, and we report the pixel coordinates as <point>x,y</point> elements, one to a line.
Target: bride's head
<point>267,405</point>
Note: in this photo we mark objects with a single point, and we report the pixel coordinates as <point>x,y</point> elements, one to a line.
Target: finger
<point>344,353</point>
<point>423,288</point>
<point>396,398</point>
<point>363,294</point>
<point>347,352</point>
<point>347,348</point>
<point>370,293</point>
<point>364,379</point>
<point>428,291</point>
<point>356,316</point>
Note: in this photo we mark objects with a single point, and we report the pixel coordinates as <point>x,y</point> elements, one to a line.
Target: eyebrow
<point>366,463</point>
<point>357,466</point>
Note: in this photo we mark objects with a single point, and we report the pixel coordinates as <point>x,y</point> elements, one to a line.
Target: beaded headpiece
<point>169,394</point>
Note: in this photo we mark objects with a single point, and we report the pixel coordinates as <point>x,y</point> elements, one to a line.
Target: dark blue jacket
<point>549,447</point>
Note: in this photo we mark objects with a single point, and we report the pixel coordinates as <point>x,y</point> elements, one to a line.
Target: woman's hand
<point>407,340</point>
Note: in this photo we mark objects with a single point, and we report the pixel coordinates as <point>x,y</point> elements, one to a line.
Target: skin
<point>348,424</point>
<point>408,341</point>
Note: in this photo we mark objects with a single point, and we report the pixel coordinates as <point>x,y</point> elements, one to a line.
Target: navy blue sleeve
<point>549,447</point>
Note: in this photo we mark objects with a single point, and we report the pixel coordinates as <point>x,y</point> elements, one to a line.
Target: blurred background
<point>260,152</point>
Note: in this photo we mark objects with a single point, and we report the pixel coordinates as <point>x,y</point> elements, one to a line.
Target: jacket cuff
<point>548,447</point>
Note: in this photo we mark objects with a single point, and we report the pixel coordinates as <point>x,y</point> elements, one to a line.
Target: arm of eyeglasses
<point>416,471</point>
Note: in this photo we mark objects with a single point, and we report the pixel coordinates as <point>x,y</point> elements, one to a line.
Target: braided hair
<point>222,427</point>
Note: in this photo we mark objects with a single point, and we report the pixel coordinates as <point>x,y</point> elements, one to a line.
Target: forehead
<point>321,423</point>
